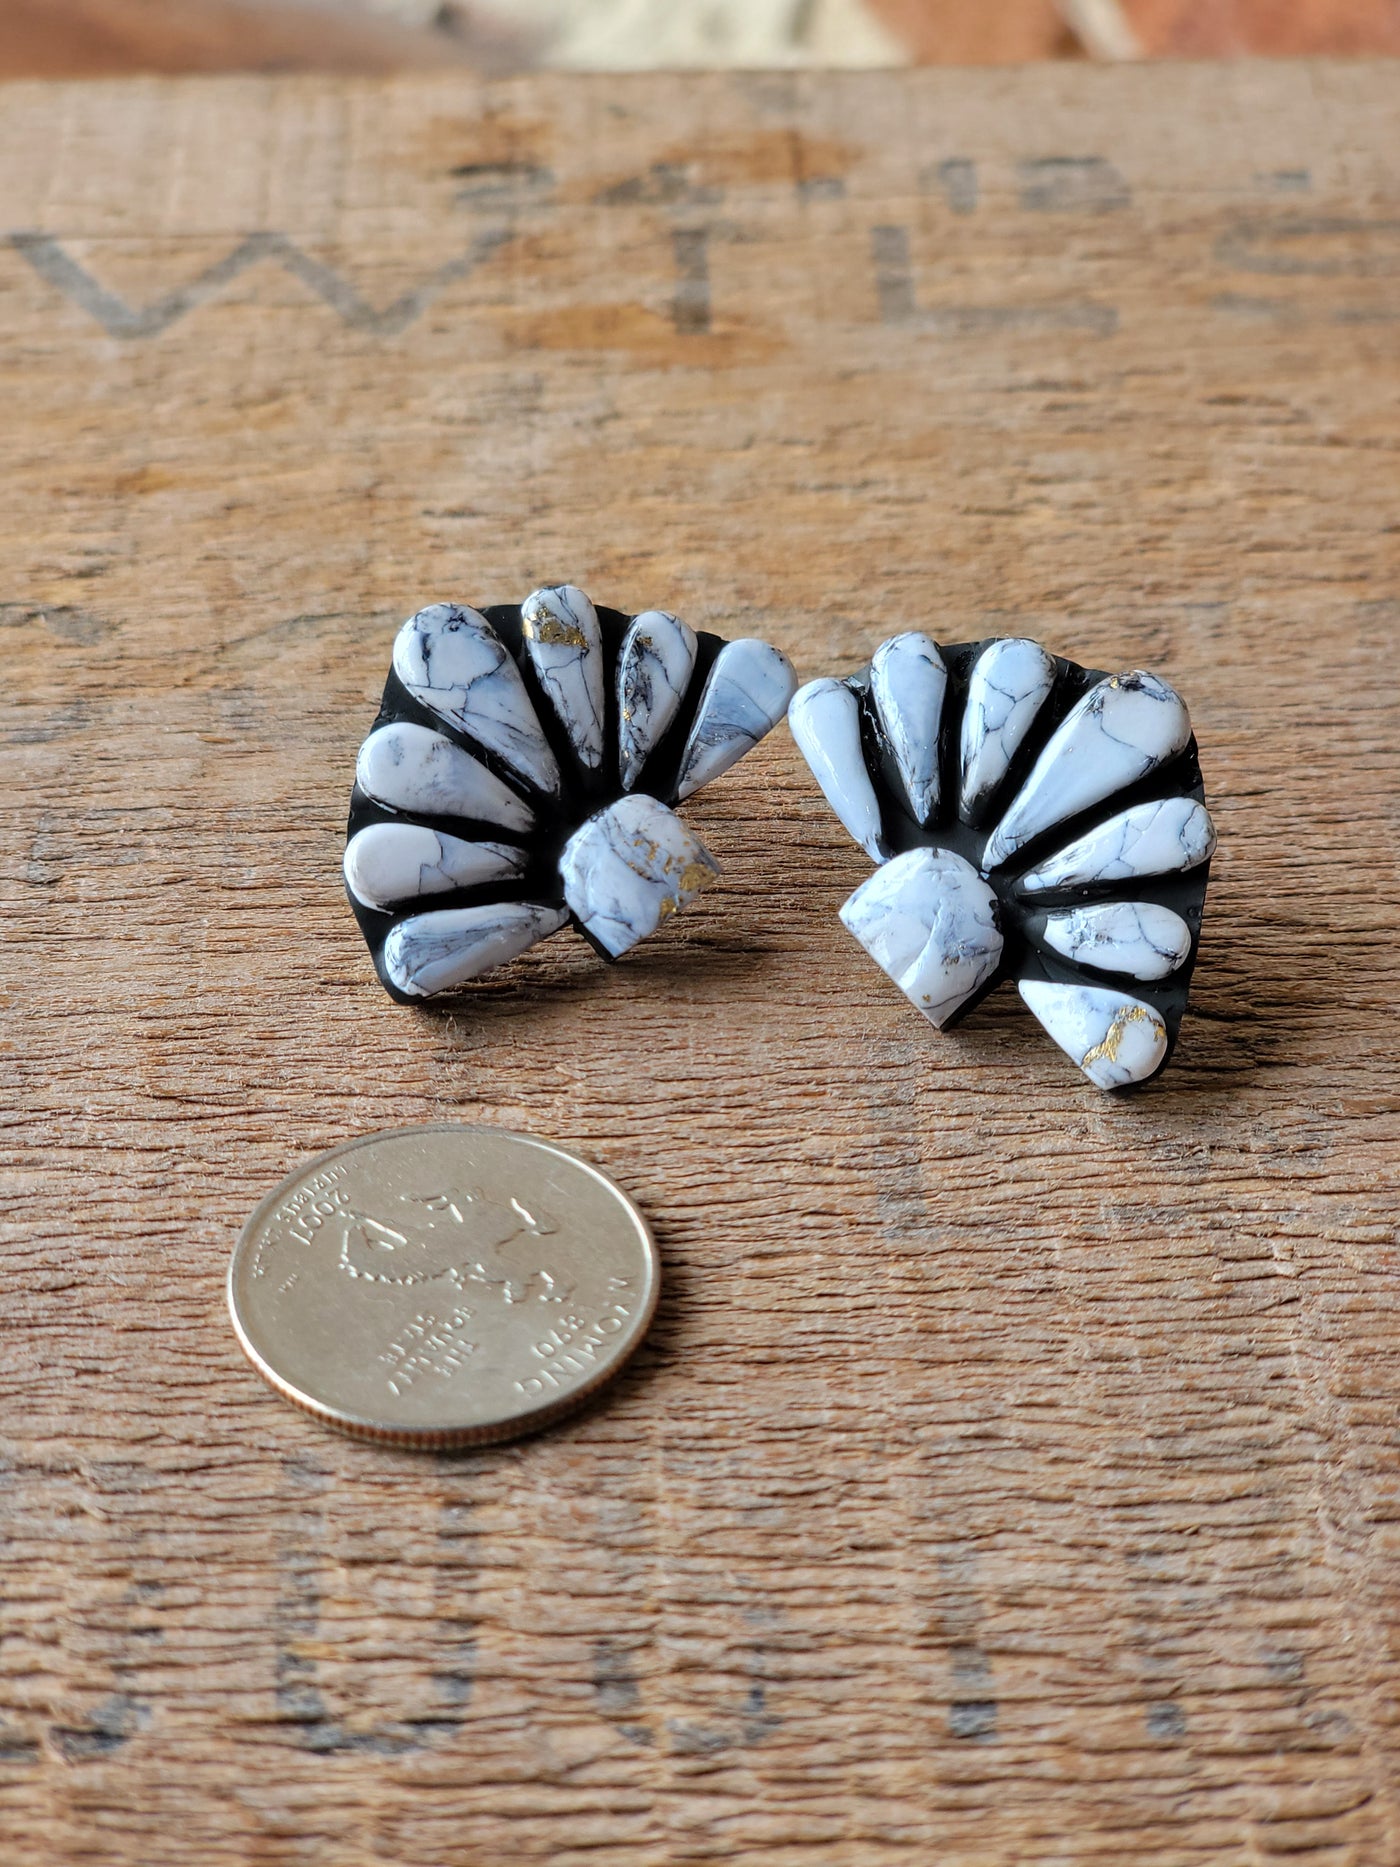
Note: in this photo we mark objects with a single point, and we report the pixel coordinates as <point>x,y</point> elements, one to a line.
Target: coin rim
<point>435,1438</point>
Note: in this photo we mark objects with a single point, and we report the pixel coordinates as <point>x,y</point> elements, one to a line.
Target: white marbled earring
<point>521,775</point>
<point>1033,820</point>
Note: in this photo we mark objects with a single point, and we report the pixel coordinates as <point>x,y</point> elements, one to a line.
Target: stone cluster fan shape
<point>522,773</point>
<point>1032,820</point>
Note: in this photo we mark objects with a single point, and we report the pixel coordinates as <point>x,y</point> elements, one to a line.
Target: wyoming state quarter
<point>443,1286</point>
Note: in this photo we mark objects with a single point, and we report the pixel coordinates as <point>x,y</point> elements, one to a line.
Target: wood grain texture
<point>1012,1473</point>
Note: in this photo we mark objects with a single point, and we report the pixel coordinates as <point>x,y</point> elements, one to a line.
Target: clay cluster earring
<point>1031,819</point>
<point>522,774</point>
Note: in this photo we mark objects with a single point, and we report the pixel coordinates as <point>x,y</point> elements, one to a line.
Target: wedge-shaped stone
<point>908,681</point>
<point>1009,684</point>
<point>565,646</point>
<point>405,766</point>
<point>435,952</point>
<point>452,660</point>
<point>387,863</point>
<point>1139,938</point>
<point>1119,732</point>
<point>631,867</point>
<point>929,920</point>
<point>747,693</point>
<point>1115,1040</point>
<point>825,721</point>
<point>1166,837</point>
<point>653,672</point>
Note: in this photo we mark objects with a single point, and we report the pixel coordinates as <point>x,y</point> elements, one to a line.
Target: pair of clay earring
<point>1032,819</point>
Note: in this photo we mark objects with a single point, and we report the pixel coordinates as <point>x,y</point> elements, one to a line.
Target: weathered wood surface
<point>1012,1474</point>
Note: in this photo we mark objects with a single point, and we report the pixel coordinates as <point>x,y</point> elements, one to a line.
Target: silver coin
<point>443,1285</point>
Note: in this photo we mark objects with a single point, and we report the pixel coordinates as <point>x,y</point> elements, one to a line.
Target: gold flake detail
<point>1107,1049</point>
<point>552,632</point>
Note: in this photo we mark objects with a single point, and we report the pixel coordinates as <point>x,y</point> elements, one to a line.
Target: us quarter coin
<point>443,1285</point>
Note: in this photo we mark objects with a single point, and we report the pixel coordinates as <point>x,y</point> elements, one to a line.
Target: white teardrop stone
<point>405,766</point>
<point>929,920</point>
<point>452,660</point>
<point>908,681</point>
<point>1139,938</point>
<point>1119,732</point>
<point>1009,684</point>
<point>653,672</point>
<point>747,693</point>
<point>825,721</point>
<point>390,862</point>
<point>565,646</point>
<point>434,952</point>
<point>1166,837</point>
<point>1114,1039</point>
<point>629,868</point>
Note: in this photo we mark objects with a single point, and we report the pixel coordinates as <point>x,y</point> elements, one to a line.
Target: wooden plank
<point>1012,1474</point>
<point>949,32</point>
<point>1209,29</point>
<point>100,38</point>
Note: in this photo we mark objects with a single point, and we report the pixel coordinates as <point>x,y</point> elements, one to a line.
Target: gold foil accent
<point>552,632</point>
<point>1107,1049</point>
